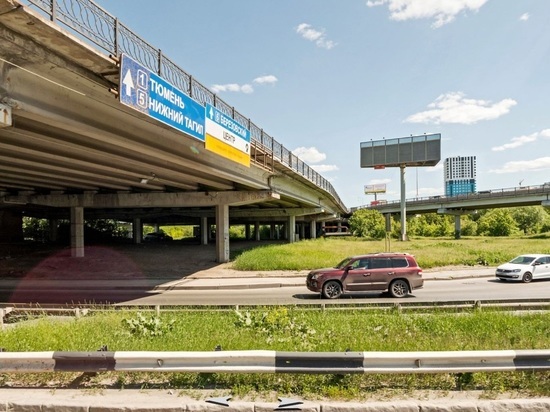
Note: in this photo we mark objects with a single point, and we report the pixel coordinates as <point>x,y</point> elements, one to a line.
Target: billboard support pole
<point>403,205</point>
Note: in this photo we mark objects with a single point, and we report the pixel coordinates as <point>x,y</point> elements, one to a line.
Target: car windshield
<point>343,263</point>
<point>523,260</point>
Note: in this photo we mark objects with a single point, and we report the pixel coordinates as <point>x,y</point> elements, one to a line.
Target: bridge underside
<point>70,150</point>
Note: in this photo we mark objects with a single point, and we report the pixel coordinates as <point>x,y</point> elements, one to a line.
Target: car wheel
<point>399,288</point>
<point>332,290</point>
<point>527,277</point>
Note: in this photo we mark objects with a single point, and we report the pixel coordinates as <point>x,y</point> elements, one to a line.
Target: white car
<point>525,268</point>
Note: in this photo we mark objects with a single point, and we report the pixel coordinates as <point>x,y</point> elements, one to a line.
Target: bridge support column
<point>313,229</point>
<point>291,231</point>
<point>53,232</point>
<point>404,236</point>
<point>302,230</point>
<point>457,226</point>
<point>456,213</point>
<point>222,233</point>
<point>137,231</point>
<point>257,231</point>
<point>247,231</point>
<point>11,226</point>
<point>77,231</point>
<point>204,230</point>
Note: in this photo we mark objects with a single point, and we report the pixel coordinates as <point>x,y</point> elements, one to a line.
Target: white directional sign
<point>147,92</point>
<point>227,137</point>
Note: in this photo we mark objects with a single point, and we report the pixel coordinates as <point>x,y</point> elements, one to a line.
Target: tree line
<point>528,220</point>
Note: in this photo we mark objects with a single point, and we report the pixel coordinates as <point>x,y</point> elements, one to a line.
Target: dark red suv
<point>397,273</point>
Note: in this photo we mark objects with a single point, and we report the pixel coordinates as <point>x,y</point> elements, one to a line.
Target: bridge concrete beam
<point>273,213</point>
<point>145,200</point>
<point>454,212</point>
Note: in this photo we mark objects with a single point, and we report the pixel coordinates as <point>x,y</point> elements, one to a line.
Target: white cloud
<point>524,17</point>
<point>269,79</point>
<point>521,140</point>
<point>309,154</point>
<point>454,107</point>
<point>312,155</point>
<point>232,87</point>
<point>318,36</point>
<point>244,88</point>
<point>516,142</point>
<point>542,163</point>
<point>441,11</point>
<point>324,168</point>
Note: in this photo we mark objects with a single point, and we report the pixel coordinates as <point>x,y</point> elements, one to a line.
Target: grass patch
<point>429,252</point>
<point>288,329</point>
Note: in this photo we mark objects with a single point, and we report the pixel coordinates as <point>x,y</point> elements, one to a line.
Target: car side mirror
<point>348,268</point>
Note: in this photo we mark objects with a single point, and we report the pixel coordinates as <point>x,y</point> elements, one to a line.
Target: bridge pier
<point>53,229</point>
<point>11,225</point>
<point>137,231</point>
<point>222,233</point>
<point>456,214</point>
<point>291,228</point>
<point>77,231</point>
<point>204,230</point>
<point>313,229</point>
<point>257,230</point>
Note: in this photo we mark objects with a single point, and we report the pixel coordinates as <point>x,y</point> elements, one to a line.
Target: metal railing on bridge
<point>94,24</point>
<point>482,194</point>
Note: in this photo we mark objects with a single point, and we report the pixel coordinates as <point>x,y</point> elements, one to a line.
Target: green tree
<point>367,223</point>
<point>497,222</point>
<point>530,219</point>
<point>468,226</point>
<point>35,229</point>
<point>109,227</point>
<point>430,224</point>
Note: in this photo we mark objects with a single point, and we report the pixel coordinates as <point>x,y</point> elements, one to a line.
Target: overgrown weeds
<point>288,329</point>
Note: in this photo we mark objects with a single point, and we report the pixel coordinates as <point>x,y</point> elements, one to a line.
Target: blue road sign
<point>145,91</point>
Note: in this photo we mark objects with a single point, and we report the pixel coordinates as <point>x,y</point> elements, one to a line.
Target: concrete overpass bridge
<point>70,150</point>
<point>470,202</point>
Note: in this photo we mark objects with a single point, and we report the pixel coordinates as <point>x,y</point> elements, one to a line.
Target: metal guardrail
<point>265,361</point>
<point>106,32</point>
<point>9,312</point>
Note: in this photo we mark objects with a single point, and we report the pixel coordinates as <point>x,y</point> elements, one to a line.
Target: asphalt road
<point>434,291</point>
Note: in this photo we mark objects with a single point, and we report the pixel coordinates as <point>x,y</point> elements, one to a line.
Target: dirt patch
<point>170,260</point>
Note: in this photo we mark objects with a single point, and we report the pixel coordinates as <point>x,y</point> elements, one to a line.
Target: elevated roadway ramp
<point>70,150</point>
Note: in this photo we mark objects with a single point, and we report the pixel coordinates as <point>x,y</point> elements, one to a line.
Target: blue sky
<point>322,76</point>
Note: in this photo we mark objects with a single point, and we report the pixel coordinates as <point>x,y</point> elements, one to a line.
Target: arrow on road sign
<point>128,83</point>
